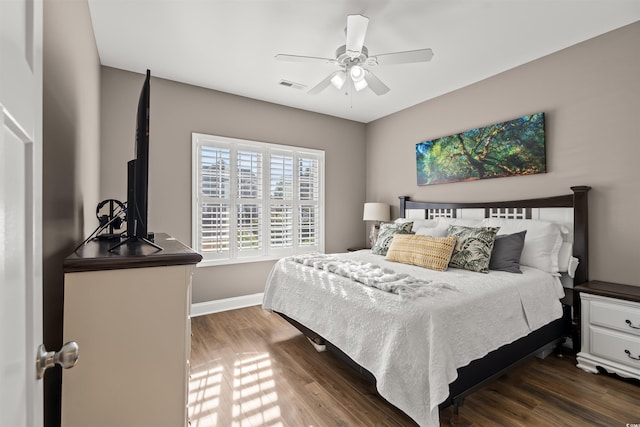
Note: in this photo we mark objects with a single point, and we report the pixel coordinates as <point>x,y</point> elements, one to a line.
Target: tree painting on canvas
<point>512,148</point>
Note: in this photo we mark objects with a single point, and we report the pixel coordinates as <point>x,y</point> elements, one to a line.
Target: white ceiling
<point>229,45</point>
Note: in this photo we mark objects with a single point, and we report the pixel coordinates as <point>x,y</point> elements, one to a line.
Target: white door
<point>20,211</point>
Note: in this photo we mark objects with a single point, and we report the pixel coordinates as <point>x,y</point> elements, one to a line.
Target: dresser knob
<point>628,322</point>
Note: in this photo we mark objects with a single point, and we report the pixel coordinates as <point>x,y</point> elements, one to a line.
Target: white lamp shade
<point>376,212</point>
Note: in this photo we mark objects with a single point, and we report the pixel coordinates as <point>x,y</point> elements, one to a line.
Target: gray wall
<point>591,96</point>
<point>179,109</point>
<point>71,117</point>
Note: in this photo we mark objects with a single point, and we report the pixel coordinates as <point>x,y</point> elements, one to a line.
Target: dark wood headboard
<point>577,201</point>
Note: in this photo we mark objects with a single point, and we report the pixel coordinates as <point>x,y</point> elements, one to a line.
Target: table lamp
<point>376,212</point>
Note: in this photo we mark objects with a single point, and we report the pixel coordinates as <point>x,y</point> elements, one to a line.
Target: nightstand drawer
<point>615,346</point>
<point>623,316</point>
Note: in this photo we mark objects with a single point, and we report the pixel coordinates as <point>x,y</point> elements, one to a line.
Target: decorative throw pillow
<point>473,247</point>
<point>428,252</point>
<point>507,249</point>
<point>386,233</point>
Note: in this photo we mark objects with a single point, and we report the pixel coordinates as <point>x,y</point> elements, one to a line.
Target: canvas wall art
<point>512,148</point>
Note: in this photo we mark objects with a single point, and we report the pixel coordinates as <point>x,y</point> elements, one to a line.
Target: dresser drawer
<point>623,316</point>
<point>615,346</point>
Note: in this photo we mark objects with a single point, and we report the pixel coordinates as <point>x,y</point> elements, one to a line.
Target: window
<point>255,201</point>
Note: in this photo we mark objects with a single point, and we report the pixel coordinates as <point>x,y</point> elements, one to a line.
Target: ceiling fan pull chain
<point>351,94</point>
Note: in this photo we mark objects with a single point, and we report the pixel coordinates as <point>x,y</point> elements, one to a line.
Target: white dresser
<point>610,328</point>
<point>129,314</point>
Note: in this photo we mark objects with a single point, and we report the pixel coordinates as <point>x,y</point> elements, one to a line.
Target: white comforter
<point>413,347</point>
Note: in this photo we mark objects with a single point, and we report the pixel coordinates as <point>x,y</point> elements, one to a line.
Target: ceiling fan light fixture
<point>360,84</point>
<point>357,73</point>
<point>338,79</point>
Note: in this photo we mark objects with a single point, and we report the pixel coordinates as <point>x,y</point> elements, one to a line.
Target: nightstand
<point>610,328</point>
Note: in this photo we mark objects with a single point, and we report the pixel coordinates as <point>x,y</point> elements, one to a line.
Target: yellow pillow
<point>424,251</point>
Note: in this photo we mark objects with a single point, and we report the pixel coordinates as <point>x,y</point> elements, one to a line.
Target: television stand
<point>130,315</point>
<point>135,239</point>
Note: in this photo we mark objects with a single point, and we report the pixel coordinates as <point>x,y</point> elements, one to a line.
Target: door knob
<point>67,357</point>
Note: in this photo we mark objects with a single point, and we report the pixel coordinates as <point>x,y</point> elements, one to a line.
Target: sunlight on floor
<point>204,396</point>
<point>242,396</point>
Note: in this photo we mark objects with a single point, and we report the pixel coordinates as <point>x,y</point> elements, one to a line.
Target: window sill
<point>215,262</point>
<point>219,262</point>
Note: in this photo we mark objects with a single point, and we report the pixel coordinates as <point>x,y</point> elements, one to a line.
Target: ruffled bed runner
<point>412,346</point>
<point>372,275</point>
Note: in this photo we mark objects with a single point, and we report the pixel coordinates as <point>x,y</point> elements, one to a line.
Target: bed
<point>427,352</point>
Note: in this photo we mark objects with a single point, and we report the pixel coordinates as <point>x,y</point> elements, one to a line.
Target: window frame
<point>266,252</point>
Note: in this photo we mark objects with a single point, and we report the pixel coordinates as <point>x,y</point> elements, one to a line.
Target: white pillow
<point>541,244</point>
<point>564,256</point>
<point>440,227</point>
<point>417,223</point>
<point>465,222</point>
<point>441,231</point>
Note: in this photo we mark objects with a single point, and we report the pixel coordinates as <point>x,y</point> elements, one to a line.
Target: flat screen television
<point>138,176</point>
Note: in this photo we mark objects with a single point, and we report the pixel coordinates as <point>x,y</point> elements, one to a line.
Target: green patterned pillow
<point>385,236</point>
<point>473,247</point>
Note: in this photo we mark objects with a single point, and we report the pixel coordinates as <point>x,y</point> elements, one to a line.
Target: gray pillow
<point>507,249</point>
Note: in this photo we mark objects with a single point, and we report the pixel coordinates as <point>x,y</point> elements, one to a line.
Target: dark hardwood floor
<point>251,368</point>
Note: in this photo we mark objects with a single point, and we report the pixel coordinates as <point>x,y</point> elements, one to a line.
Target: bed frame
<point>494,364</point>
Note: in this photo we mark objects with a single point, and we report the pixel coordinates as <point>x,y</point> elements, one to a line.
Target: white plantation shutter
<point>249,227</point>
<point>281,221</point>
<point>249,202</point>
<point>215,227</point>
<point>216,172</point>
<point>308,183</point>
<point>254,201</point>
<point>307,226</point>
<point>281,178</point>
<point>249,174</point>
<point>309,197</point>
<point>214,189</point>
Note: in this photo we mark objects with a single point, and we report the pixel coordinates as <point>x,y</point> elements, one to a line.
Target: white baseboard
<point>216,306</point>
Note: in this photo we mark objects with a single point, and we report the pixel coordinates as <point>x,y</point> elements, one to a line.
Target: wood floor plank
<point>251,368</point>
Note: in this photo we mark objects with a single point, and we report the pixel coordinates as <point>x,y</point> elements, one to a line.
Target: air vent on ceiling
<point>293,85</point>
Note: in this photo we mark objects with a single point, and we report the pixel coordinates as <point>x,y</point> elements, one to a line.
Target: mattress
<point>413,347</point>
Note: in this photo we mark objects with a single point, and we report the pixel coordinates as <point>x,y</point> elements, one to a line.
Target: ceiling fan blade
<point>322,85</point>
<point>420,55</point>
<point>356,32</point>
<point>297,58</point>
<point>375,84</point>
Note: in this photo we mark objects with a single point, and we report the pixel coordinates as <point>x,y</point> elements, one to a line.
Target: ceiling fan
<point>354,60</point>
